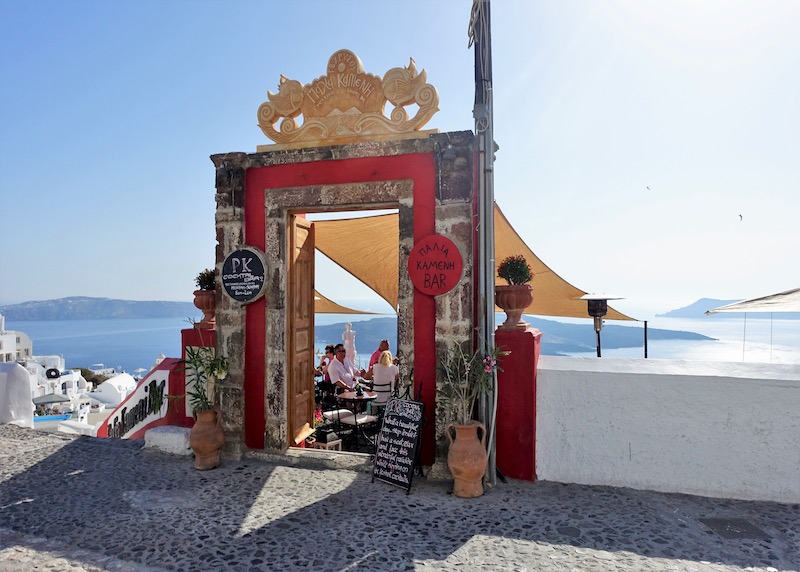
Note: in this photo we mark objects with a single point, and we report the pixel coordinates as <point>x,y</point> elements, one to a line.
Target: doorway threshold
<point>314,459</point>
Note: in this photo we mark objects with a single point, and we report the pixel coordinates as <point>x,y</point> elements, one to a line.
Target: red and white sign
<point>435,265</point>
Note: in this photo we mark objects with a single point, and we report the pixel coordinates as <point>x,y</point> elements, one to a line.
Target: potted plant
<point>205,298</point>
<point>206,437</point>
<point>514,297</point>
<point>465,378</point>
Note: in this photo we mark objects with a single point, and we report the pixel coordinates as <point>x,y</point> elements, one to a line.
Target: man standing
<point>376,355</point>
<point>342,371</point>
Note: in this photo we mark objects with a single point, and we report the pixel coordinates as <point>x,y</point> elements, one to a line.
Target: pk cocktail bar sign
<point>243,274</point>
<point>435,265</point>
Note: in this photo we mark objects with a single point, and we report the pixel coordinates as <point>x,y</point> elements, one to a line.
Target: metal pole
<point>645,339</point>
<point>480,34</point>
<point>744,334</point>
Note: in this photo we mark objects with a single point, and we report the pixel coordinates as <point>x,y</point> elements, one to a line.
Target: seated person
<point>342,371</point>
<point>384,377</point>
<point>325,384</point>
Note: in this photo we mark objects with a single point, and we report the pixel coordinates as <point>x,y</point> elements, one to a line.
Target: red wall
<point>174,413</point>
<point>194,337</point>
<point>418,167</point>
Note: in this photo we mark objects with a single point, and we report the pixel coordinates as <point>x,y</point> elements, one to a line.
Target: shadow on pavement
<point>112,498</point>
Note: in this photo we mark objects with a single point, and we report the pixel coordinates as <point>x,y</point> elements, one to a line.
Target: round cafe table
<point>355,403</point>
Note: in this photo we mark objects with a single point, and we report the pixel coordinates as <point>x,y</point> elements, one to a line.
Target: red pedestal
<point>516,403</point>
<point>197,338</point>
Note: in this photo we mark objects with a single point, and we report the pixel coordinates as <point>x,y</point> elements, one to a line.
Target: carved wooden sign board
<point>398,442</point>
<point>347,105</point>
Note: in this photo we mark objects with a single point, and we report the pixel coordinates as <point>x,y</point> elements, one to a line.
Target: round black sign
<point>243,274</point>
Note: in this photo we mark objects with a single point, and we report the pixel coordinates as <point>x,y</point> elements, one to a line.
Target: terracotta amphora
<point>206,439</point>
<point>467,458</point>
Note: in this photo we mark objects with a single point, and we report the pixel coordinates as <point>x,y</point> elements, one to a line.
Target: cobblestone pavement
<point>79,503</point>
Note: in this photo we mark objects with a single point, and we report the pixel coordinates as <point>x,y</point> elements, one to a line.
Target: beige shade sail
<point>323,305</point>
<point>368,249</point>
<point>552,295</point>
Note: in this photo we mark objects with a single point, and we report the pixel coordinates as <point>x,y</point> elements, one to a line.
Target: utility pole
<point>480,36</point>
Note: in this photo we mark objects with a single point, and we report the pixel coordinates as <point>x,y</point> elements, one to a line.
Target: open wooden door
<point>300,353</point>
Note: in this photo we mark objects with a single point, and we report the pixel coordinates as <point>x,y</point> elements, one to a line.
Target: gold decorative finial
<point>347,104</point>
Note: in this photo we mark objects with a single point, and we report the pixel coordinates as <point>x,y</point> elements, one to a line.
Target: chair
<point>327,394</point>
<point>384,391</point>
<point>359,424</point>
<point>337,417</point>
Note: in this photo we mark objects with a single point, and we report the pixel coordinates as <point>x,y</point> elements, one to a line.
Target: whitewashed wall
<point>727,430</point>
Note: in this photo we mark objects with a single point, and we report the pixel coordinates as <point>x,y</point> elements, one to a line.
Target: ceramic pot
<point>206,302</point>
<point>467,458</point>
<point>206,439</point>
<point>513,300</point>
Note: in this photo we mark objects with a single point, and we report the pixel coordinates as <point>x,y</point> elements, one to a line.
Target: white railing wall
<point>728,430</point>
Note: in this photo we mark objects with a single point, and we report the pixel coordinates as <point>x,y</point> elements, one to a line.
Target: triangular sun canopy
<point>368,249</point>
<point>552,295</point>
<point>788,301</point>
<point>323,305</point>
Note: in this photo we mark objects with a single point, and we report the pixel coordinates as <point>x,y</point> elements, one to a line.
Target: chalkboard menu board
<point>398,442</point>
<point>243,274</point>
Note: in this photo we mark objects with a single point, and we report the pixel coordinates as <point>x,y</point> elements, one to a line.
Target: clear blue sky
<point>110,111</point>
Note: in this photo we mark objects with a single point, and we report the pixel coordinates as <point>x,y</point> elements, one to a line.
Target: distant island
<point>559,338</point>
<point>87,308</point>
<point>369,333</point>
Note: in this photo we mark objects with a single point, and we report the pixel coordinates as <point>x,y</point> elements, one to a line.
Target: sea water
<point>736,339</point>
<point>133,344</point>
<point>130,344</point>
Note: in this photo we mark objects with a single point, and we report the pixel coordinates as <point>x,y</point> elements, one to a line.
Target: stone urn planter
<point>206,302</point>
<point>513,299</point>
<point>467,458</point>
<point>207,438</point>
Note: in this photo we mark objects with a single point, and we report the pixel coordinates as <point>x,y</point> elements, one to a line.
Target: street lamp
<point>598,307</point>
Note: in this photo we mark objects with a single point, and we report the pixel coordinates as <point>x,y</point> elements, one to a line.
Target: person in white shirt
<point>342,371</point>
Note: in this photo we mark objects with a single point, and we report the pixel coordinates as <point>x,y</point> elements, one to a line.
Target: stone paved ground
<point>78,503</point>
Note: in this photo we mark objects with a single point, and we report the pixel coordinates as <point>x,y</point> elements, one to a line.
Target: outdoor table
<point>354,403</point>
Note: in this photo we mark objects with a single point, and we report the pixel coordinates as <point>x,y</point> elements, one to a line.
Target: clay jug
<point>467,458</point>
<point>206,439</point>
<point>513,300</point>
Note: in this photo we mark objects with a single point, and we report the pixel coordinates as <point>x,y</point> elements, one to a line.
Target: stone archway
<point>346,152</point>
<point>280,203</point>
<point>429,180</point>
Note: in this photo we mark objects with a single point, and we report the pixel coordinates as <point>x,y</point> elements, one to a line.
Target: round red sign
<point>435,265</point>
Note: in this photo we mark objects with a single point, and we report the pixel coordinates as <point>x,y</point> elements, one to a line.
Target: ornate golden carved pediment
<point>347,104</point>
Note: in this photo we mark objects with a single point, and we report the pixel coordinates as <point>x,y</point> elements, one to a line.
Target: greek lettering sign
<point>435,265</point>
<point>243,274</point>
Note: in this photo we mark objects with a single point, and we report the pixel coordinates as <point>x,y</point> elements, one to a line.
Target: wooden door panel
<point>300,354</point>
